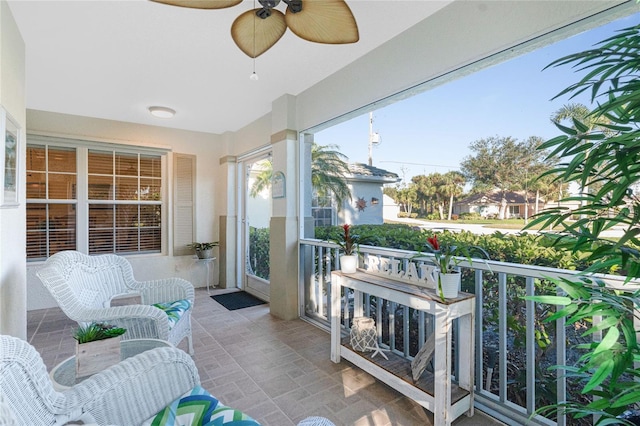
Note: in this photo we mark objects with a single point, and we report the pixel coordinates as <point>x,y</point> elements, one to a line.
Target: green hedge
<point>259,252</point>
<point>527,249</point>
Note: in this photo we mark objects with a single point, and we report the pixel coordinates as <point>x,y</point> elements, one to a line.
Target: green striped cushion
<point>174,310</point>
<point>199,408</point>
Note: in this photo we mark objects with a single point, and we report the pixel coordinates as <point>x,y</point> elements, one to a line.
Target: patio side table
<point>436,391</point>
<point>63,375</point>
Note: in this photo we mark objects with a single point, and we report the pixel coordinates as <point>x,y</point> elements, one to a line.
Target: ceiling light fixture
<point>162,112</point>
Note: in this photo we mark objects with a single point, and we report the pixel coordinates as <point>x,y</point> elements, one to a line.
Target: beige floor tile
<point>278,372</point>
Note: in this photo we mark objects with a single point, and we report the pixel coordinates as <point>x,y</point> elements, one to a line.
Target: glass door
<point>256,215</point>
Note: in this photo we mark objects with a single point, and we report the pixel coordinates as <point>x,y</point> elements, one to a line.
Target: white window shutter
<point>184,205</point>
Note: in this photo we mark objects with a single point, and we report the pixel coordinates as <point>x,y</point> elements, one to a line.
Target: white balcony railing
<point>514,348</point>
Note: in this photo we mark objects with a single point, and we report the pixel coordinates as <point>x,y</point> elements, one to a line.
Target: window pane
<point>150,189</point>
<point>100,216</point>
<point>126,164</point>
<point>36,158</point>
<point>150,240</point>
<point>62,240</point>
<point>100,162</point>
<point>62,187</point>
<point>36,185</point>
<point>126,188</point>
<point>150,166</point>
<point>150,216</point>
<point>126,215</point>
<point>52,226</point>
<point>100,241</point>
<point>62,216</point>
<point>36,231</point>
<point>100,187</point>
<point>126,240</point>
<point>62,160</point>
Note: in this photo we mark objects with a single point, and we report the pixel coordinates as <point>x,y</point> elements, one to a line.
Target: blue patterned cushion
<point>174,310</point>
<point>199,408</point>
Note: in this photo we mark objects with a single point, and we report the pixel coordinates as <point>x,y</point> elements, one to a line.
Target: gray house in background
<point>367,202</point>
<point>488,204</point>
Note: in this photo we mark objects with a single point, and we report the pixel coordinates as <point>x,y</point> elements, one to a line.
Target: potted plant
<point>446,258</point>
<point>203,250</point>
<point>97,347</point>
<point>349,244</point>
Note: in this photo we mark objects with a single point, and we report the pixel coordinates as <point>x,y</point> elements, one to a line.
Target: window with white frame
<point>115,207</point>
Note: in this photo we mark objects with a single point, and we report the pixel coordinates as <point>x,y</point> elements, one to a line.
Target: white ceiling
<point>113,59</point>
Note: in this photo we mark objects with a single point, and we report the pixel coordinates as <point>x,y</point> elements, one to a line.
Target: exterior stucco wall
<point>361,208</point>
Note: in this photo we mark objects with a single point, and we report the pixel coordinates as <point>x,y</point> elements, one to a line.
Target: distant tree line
<point>501,164</point>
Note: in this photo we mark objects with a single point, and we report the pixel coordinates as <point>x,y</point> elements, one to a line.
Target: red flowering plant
<point>349,242</point>
<point>442,254</point>
<point>447,257</point>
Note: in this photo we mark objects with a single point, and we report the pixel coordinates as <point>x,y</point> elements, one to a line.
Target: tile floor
<point>278,372</point>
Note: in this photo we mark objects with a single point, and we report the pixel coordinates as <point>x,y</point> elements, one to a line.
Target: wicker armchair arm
<point>140,320</point>
<point>165,290</point>
<point>135,389</point>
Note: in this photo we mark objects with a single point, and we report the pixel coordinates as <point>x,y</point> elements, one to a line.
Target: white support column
<point>283,250</point>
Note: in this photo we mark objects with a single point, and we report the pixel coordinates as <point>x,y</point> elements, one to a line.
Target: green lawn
<point>489,223</point>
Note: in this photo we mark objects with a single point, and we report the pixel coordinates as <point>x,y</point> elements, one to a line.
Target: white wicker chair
<point>127,393</point>
<point>84,286</point>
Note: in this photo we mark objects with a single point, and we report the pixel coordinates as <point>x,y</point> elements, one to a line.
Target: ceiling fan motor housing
<point>269,4</point>
<point>293,6</point>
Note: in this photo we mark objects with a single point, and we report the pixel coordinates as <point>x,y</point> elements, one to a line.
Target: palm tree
<point>582,119</point>
<point>453,186</point>
<point>328,171</point>
<point>263,178</point>
<point>581,113</point>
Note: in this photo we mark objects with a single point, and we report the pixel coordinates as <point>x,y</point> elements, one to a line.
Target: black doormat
<point>237,300</point>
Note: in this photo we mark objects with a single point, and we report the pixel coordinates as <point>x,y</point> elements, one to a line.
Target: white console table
<point>434,391</point>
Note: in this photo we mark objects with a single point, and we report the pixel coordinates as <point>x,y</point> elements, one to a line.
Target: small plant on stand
<point>203,250</point>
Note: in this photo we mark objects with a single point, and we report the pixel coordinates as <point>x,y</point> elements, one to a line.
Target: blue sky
<point>435,128</point>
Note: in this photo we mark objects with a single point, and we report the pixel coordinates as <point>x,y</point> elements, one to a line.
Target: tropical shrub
<point>605,158</point>
<point>259,252</point>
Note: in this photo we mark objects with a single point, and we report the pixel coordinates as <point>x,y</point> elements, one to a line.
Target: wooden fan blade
<point>201,4</point>
<point>324,21</point>
<point>267,31</point>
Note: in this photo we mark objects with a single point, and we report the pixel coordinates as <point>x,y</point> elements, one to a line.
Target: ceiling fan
<point>255,31</point>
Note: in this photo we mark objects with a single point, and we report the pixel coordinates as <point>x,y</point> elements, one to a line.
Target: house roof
<point>495,197</point>
<point>361,171</point>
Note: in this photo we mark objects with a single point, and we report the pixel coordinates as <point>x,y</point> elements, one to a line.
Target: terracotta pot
<point>348,263</point>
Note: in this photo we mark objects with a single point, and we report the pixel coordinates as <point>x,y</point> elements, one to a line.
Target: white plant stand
<point>435,391</point>
<point>209,264</point>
